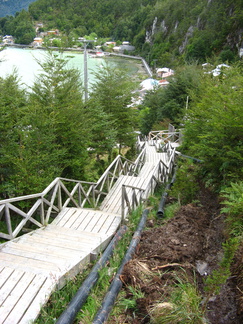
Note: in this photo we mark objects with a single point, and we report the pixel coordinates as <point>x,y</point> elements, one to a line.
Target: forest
<point>164,32</point>
<point>10,7</point>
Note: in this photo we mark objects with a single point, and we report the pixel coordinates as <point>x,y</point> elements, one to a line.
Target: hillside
<point>163,31</point>
<point>10,7</point>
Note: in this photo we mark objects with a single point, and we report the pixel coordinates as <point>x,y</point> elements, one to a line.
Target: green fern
<point>233,207</point>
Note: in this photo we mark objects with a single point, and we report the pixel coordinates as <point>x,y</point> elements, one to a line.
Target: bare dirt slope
<point>191,241</point>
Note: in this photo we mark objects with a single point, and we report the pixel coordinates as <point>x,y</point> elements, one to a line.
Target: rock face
<point>216,24</point>
<point>185,42</point>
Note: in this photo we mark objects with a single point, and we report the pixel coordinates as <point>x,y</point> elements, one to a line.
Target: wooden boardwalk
<point>36,263</point>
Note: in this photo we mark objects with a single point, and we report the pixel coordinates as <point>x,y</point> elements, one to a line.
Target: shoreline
<point>79,50</point>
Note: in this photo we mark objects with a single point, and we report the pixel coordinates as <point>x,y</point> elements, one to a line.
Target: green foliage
<point>43,135</point>
<point>214,282</point>
<point>213,130</point>
<point>169,31</point>
<point>131,303</point>
<point>186,187</point>
<point>21,27</point>
<point>10,7</point>
<point>184,305</point>
<point>233,207</point>
<point>113,93</point>
<point>12,108</point>
<point>57,96</point>
<point>169,102</point>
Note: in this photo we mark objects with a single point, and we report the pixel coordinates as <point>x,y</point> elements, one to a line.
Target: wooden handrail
<point>39,208</point>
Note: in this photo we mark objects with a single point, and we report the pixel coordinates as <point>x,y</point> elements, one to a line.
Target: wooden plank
<point>20,262</point>
<point>82,221</point>
<point>110,193</point>
<point>4,275</point>
<point>74,233</point>
<point>42,248</point>
<point>107,223</point>
<point>111,225</point>
<point>146,169</point>
<point>115,203</point>
<point>62,245</point>
<point>103,217</point>
<point>40,292</point>
<point>9,285</point>
<point>34,255</point>
<point>34,296</point>
<point>77,218</point>
<point>53,239</point>
<point>113,199</point>
<point>94,219</point>
<point>14,296</point>
<point>62,218</point>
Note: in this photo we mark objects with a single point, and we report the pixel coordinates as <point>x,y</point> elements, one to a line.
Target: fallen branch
<point>167,265</point>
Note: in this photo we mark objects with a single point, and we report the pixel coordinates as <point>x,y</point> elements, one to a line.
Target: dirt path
<point>190,241</point>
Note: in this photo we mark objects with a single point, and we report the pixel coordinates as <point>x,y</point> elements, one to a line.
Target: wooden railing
<point>128,205</point>
<point>21,214</point>
<point>120,166</point>
<point>132,196</point>
<point>26,213</point>
<point>160,138</point>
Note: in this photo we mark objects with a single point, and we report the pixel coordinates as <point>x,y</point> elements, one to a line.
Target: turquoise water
<point>24,61</point>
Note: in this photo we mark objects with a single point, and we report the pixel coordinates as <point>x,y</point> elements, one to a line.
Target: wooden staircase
<point>36,263</point>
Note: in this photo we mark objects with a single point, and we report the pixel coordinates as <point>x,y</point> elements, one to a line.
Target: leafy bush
<point>185,187</point>
<point>213,129</point>
<point>233,206</point>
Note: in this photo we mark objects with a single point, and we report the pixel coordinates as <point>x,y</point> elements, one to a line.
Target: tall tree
<point>113,93</point>
<point>214,127</point>
<point>56,97</point>
<point>12,108</point>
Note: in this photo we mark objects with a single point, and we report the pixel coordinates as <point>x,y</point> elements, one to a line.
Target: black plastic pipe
<point>189,157</point>
<point>116,284</point>
<point>160,212</point>
<point>68,316</point>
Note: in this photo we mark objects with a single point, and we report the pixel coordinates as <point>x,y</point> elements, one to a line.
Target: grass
<point>131,303</point>
<point>183,306</point>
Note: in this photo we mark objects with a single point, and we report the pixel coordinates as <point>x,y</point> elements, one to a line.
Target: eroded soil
<point>190,244</point>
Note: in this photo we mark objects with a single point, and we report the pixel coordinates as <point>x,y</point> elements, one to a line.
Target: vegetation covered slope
<point>162,30</point>
<point>10,7</point>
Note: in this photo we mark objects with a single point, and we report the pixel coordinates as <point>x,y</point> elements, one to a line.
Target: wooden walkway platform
<point>36,263</point>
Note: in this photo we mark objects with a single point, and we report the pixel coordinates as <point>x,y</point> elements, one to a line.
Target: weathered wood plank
<point>80,235</point>
<point>43,249</point>
<point>53,239</point>
<point>9,285</point>
<point>4,275</point>
<point>63,216</point>
<point>26,264</point>
<point>34,296</point>
<point>76,219</point>
<point>14,296</point>
<point>107,223</point>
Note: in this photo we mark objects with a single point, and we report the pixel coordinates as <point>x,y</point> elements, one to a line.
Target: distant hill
<point>165,32</point>
<point>10,7</point>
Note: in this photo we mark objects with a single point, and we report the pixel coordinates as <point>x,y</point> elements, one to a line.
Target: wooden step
<point>93,221</point>
<point>21,291</point>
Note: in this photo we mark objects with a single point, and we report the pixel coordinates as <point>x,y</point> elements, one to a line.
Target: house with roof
<point>38,41</point>
<point>8,39</point>
<point>164,72</point>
